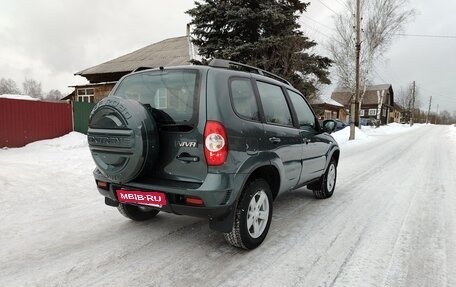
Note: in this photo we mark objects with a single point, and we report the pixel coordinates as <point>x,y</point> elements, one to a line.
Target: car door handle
<point>274,140</point>
<point>186,157</point>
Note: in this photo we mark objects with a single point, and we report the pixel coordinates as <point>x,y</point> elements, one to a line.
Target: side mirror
<point>329,126</point>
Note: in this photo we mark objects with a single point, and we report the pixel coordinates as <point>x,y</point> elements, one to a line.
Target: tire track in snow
<point>421,251</point>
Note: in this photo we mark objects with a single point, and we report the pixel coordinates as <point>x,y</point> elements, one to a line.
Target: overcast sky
<point>50,40</point>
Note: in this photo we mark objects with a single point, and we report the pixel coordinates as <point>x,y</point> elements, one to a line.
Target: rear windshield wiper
<point>176,125</point>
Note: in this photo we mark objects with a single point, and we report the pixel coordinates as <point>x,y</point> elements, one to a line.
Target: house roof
<point>344,96</point>
<point>170,52</point>
<point>326,99</point>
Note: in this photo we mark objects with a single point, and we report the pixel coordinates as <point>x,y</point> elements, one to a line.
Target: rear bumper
<point>217,192</point>
<point>180,209</point>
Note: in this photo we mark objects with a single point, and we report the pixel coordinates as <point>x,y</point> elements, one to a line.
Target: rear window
<point>170,94</point>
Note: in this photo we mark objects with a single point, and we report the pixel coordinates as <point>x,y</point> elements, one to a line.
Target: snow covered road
<point>391,222</point>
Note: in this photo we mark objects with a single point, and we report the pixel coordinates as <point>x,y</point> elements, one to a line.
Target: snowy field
<point>391,222</point>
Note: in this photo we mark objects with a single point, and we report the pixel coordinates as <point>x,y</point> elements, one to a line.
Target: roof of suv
<point>220,63</point>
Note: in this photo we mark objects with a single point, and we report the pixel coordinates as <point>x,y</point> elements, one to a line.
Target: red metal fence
<point>23,122</point>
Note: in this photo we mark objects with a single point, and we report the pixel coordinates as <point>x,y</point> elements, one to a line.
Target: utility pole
<point>437,114</point>
<point>355,106</point>
<point>429,110</point>
<point>413,103</point>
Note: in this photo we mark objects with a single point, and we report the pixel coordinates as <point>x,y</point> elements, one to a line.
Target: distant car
<point>370,122</point>
<point>340,125</point>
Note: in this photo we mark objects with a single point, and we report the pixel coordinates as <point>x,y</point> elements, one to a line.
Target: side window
<point>275,106</point>
<point>243,97</point>
<point>305,116</point>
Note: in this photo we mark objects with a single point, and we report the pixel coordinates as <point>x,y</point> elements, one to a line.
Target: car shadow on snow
<point>174,230</point>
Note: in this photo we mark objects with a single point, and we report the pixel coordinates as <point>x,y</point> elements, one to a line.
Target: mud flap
<point>223,224</point>
<point>111,202</point>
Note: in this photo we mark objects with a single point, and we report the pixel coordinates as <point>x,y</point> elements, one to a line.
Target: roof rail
<point>221,63</point>
<point>141,68</point>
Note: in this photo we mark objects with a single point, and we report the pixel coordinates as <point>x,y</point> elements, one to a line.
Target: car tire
<point>137,213</point>
<point>252,217</point>
<point>324,187</point>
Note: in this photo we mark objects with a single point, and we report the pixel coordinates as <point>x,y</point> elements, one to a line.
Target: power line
<point>375,71</point>
<point>302,23</point>
<point>341,3</point>
<point>327,7</point>
<point>426,36</point>
<point>319,32</point>
<point>447,97</point>
<point>327,27</point>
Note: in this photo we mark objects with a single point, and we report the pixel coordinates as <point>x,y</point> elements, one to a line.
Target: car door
<point>315,147</point>
<point>282,138</point>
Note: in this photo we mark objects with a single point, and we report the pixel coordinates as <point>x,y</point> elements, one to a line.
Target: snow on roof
<point>326,99</point>
<point>19,97</point>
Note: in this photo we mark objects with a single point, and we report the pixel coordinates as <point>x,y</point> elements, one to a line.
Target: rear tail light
<point>215,143</point>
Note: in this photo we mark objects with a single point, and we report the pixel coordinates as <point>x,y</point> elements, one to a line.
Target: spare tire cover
<point>123,138</point>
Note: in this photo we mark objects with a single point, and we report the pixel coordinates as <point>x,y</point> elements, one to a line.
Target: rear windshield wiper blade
<point>177,125</point>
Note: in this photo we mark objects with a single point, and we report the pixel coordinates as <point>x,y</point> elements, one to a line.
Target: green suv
<point>220,141</point>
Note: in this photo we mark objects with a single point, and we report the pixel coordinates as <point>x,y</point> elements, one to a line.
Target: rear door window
<point>275,106</point>
<point>172,94</point>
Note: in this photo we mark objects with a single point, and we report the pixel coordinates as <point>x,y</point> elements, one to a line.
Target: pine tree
<point>261,33</point>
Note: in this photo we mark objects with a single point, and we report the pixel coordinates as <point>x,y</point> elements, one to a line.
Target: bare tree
<point>32,88</point>
<point>8,86</point>
<point>54,95</point>
<point>444,118</point>
<point>405,99</point>
<point>381,20</point>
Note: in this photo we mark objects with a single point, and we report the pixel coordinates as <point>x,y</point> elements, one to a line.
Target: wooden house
<point>102,78</point>
<point>376,104</point>
<point>327,108</point>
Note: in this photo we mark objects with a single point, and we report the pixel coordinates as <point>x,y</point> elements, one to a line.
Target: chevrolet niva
<point>218,141</point>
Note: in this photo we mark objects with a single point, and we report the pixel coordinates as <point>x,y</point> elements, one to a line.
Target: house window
<point>86,95</point>
<point>327,115</point>
<point>361,113</point>
<point>161,98</point>
<point>372,112</point>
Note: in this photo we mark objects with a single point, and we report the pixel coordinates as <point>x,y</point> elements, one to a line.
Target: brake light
<point>215,143</point>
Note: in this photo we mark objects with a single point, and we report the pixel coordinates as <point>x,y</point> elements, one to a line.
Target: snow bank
<point>368,133</point>
<point>69,141</point>
<point>64,155</point>
<point>19,97</point>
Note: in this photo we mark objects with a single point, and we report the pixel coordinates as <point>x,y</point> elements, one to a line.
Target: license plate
<point>152,198</point>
